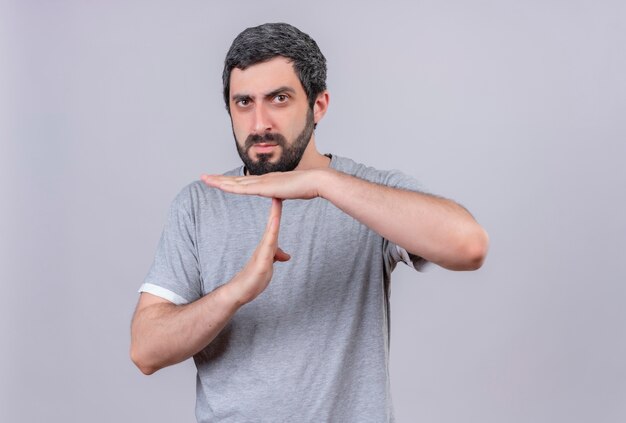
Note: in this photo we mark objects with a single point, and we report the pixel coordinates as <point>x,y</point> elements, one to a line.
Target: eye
<point>281,98</point>
<point>244,102</point>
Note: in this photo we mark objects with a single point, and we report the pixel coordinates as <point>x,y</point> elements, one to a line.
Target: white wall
<point>514,109</point>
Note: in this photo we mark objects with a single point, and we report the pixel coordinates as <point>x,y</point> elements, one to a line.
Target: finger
<point>280,255</point>
<point>251,185</point>
<point>220,181</point>
<point>224,179</point>
<point>210,180</point>
<point>277,210</point>
<point>269,242</point>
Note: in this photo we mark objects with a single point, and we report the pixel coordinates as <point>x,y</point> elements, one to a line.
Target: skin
<point>268,97</point>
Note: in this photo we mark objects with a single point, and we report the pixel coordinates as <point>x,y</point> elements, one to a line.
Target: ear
<point>320,106</point>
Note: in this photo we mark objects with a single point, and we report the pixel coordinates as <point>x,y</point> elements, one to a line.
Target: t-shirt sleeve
<point>394,252</point>
<point>175,272</point>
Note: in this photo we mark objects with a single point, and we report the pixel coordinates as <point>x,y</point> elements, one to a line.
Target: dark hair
<point>264,42</point>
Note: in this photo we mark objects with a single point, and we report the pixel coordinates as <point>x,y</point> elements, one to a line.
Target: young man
<point>307,339</point>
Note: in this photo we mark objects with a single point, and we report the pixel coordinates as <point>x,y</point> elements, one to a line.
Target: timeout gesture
<point>296,184</point>
<point>257,273</point>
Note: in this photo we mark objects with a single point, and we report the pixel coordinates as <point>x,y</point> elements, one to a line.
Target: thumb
<point>280,255</point>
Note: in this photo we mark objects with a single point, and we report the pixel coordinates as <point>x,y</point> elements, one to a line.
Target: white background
<point>515,109</point>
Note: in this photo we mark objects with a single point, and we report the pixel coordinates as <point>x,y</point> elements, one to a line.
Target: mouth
<point>264,147</point>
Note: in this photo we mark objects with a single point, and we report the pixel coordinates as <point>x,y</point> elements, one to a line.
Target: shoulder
<point>393,178</point>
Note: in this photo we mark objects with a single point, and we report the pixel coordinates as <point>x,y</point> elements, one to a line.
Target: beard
<point>291,153</point>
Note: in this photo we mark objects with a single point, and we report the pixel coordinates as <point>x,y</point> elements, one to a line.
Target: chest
<point>321,239</point>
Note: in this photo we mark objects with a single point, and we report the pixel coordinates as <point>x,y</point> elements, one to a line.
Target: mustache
<point>276,138</point>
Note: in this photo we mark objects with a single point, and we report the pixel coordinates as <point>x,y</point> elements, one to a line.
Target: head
<point>274,76</point>
<point>264,42</point>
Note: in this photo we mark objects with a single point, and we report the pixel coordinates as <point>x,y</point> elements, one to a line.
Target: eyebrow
<point>279,90</point>
<point>283,89</point>
<point>238,97</point>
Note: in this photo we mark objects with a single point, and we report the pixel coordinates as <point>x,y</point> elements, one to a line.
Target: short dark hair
<point>264,42</point>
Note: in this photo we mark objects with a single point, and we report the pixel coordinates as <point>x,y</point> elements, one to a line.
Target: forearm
<point>437,229</point>
<point>163,334</point>
<point>434,228</point>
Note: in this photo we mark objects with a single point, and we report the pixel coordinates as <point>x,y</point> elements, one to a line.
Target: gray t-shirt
<point>314,346</point>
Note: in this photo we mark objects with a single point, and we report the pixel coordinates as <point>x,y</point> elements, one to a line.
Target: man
<point>307,339</point>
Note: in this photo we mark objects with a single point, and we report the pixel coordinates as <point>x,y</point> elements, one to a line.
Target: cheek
<point>239,130</point>
<point>293,125</point>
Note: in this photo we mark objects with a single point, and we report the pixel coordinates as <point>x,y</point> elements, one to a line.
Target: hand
<point>257,273</point>
<point>297,184</point>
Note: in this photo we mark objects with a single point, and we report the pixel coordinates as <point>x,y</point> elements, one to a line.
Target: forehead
<point>264,77</point>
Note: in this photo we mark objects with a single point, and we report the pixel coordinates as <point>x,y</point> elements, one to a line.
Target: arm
<point>436,229</point>
<point>163,333</point>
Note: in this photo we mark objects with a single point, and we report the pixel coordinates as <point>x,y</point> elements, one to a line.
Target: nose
<point>262,121</point>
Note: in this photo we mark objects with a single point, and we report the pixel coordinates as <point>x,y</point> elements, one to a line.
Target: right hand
<point>257,273</point>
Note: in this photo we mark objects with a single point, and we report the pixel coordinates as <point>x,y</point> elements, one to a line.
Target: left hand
<point>297,184</point>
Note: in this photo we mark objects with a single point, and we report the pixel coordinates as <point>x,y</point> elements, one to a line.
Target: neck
<point>312,158</point>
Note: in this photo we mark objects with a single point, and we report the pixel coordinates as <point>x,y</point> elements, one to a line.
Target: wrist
<point>324,181</point>
<point>233,294</point>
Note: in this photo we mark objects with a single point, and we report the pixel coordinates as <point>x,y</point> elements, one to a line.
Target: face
<point>271,118</point>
